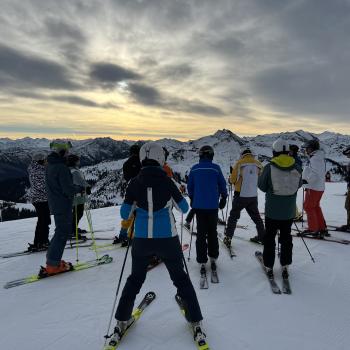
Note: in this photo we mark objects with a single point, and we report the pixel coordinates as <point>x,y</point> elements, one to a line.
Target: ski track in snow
<point>72,311</point>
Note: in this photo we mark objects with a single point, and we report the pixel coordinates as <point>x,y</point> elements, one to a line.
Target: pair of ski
<point>115,339</point>
<point>71,245</point>
<point>106,259</point>
<point>203,280</point>
<point>325,239</point>
<point>286,289</point>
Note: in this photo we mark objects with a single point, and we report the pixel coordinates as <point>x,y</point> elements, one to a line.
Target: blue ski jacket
<point>152,195</point>
<point>205,185</point>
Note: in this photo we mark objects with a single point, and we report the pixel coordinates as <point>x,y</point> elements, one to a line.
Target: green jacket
<point>280,180</point>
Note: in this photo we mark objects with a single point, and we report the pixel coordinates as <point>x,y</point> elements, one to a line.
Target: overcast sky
<point>173,68</point>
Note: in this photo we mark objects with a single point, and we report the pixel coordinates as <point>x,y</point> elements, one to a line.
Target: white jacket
<point>315,171</point>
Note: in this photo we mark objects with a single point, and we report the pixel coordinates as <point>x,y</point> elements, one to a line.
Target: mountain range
<point>102,158</point>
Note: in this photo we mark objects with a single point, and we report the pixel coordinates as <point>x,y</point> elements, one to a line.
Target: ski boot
<point>84,232</point>
<point>227,241</point>
<point>198,335</point>
<point>269,272</point>
<point>119,330</point>
<point>37,247</point>
<point>50,270</point>
<point>122,241</point>
<point>213,264</point>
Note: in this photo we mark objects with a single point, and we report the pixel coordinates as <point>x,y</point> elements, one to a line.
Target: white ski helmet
<point>280,146</point>
<point>152,151</point>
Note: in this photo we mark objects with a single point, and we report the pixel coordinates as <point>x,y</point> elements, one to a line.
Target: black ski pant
<point>286,241</point>
<point>207,243</point>
<point>78,212</point>
<point>42,226</point>
<point>63,223</point>
<point>170,252</point>
<point>250,204</point>
<point>190,215</point>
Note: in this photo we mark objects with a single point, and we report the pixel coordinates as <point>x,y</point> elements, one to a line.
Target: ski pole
<point>76,232</point>
<point>91,229</point>
<point>302,209</point>
<point>189,252</point>
<point>300,234</point>
<point>117,292</point>
<point>182,229</point>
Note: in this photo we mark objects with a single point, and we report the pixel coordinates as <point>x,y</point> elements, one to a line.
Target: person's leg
<point>40,225</point>
<point>286,241</point>
<point>169,250</point>
<point>235,214</point>
<point>347,207</point>
<point>80,212</point>
<point>253,212</point>
<point>201,239</point>
<point>213,242</point>
<point>270,242</point>
<point>321,223</point>
<point>140,259</point>
<point>44,233</point>
<point>63,229</point>
<point>310,205</point>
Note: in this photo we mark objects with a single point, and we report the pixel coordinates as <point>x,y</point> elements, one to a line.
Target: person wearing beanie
<point>131,169</point>
<point>60,191</point>
<point>152,195</point>
<point>244,177</point>
<point>207,190</point>
<point>38,197</point>
<point>314,177</point>
<point>280,180</point>
<point>73,162</point>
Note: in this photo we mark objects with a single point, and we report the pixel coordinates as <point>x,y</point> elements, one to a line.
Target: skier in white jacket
<point>314,183</point>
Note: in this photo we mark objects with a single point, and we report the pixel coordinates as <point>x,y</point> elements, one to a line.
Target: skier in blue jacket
<point>152,196</point>
<point>207,190</point>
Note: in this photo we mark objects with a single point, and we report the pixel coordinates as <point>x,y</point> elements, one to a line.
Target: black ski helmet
<point>313,144</point>
<point>134,149</point>
<point>206,152</point>
<point>166,153</point>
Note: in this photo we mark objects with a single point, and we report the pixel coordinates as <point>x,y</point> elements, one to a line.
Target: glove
<point>305,182</point>
<point>88,190</point>
<point>222,202</point>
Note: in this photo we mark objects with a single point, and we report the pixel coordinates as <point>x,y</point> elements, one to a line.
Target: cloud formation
<point>242,63</point>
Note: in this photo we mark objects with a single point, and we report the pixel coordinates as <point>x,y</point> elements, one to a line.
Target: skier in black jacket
<point>61,191</point>
<point>131,169</point>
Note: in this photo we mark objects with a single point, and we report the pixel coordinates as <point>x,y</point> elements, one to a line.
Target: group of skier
<point>151,194</point>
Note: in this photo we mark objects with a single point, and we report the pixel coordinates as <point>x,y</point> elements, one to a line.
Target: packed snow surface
<point>71,311</point>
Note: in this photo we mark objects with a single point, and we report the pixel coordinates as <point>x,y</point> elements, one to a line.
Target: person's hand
<point>305,182</point>
<point>88,190</point>
<point>222,203</point>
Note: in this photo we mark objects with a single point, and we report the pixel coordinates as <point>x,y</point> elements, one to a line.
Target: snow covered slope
<point>71,311</point>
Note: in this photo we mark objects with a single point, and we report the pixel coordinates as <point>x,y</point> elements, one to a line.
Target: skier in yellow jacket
<point>244,177</point>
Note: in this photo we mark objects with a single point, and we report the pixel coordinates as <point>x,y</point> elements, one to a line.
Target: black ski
<point>325,239</point>
<point>203,281</point>
<point>338,228</point>
<point>274,287</point>
<point>214,274</point>
<point>201,344</point>
<point>230,250</point>
<point>286,289</point>
<point>116,338</point>
<point>27,252</point>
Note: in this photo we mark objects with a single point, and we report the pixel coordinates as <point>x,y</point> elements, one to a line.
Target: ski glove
<point>222,203</point>
<point>305,182</point>
<point>88,190</point>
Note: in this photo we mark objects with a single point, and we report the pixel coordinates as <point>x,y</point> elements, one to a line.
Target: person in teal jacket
<point>280,180</point>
